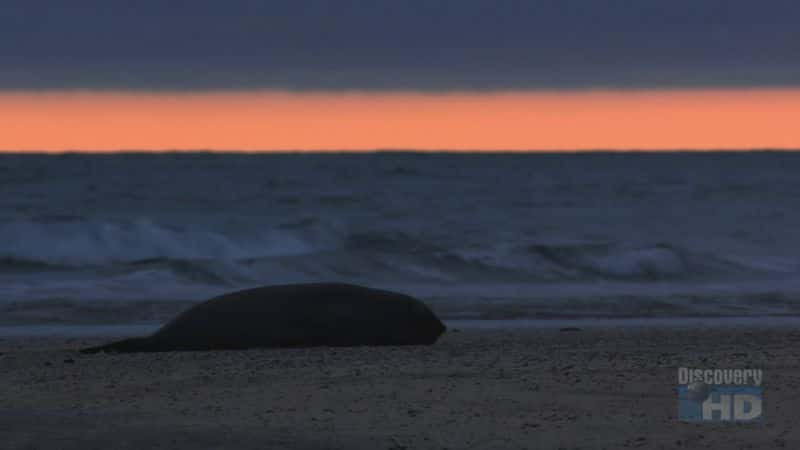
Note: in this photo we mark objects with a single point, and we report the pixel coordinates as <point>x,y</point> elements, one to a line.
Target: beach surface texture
<point>592,388</point>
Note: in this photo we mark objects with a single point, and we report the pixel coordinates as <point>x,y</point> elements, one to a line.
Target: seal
<point>292,315</point>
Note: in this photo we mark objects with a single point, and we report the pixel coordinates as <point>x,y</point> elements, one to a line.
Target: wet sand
<point>481,389</point>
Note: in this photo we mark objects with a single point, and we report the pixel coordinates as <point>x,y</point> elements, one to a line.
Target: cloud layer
<point>397,45</point>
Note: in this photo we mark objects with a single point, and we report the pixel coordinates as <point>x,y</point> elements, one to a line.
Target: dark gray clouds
<point>427,45</point>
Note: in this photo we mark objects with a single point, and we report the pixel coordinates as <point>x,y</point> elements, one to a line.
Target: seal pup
<point>292,315</point>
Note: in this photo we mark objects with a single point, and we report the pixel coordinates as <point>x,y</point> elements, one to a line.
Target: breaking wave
<point>212,256</point>
<point>95,243</point>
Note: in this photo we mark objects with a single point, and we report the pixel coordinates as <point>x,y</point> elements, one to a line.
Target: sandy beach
<point>482,389</point>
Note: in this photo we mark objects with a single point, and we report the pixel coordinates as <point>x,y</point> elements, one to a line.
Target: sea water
<point>120,239</point>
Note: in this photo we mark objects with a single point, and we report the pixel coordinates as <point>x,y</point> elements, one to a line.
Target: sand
<point>477,389</point>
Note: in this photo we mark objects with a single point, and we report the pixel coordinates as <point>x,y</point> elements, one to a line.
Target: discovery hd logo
<point>719,395</point>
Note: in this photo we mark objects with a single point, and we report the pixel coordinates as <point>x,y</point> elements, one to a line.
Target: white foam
<point>102,242</point>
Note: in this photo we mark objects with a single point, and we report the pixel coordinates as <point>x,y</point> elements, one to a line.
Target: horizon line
<point>389,151</point>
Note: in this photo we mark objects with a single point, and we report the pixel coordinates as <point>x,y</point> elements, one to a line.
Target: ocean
<point>127,239</point>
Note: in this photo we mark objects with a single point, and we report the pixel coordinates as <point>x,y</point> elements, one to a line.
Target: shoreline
<point>594,323</point>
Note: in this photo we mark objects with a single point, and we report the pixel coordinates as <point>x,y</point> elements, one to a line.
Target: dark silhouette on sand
<point>294,315</point>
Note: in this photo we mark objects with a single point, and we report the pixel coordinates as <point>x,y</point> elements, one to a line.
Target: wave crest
<point>94,243</point>
<point>321,251</point>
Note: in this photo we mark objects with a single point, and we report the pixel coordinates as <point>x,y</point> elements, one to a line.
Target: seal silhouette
<point>292,315</point>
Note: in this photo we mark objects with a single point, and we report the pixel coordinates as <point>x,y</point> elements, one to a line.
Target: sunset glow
<point>274,120</point>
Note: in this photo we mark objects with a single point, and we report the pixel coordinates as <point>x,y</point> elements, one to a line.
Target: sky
<point>433,74</point>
